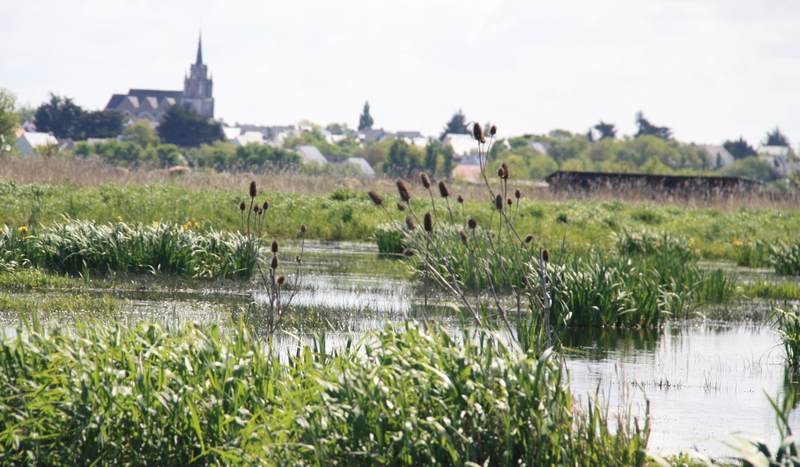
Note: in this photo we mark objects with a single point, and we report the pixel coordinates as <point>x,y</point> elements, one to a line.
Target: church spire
<point>199,60</point>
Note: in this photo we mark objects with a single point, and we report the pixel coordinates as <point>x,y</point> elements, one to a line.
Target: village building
<point>152,104</point>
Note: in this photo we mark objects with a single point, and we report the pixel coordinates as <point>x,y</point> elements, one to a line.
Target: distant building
<point>468,169</point>
<point>718,156</point>
<point>774,151</point>
<point>31,140</point>
<point>152,104</point>
<point>310,155</point>
<point>362,165</point>
<point>462,144</point>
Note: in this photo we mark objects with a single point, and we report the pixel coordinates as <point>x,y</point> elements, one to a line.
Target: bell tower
<point>198,86</point>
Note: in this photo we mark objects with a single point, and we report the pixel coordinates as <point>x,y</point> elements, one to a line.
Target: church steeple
<point>199,60</point>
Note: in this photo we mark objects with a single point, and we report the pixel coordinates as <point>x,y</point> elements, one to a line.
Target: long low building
<point>689,185</point>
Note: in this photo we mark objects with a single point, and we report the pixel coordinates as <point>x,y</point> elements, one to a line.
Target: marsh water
<point>706,381</point>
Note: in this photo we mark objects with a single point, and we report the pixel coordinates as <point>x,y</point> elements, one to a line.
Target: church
<point>152,104</point>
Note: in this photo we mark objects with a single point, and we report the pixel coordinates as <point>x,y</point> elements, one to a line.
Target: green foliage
<point>785,258</point>
<point>9,121</point>
<point>751,167</point>
<point>438,161</point>
<point>457,125</point>
<point>141,133</point>
<point>365,120</point>
<point>182,126</point>
<point>65,119</point>
<point>110,394</point>
<point>647,128</point>
<point>403,160</point>
<point>80,247</point>
<point>788,325</point>
<point>739,148</point>
<point>335,151</point>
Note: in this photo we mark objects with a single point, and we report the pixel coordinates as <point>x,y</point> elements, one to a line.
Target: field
<point>192,318</point>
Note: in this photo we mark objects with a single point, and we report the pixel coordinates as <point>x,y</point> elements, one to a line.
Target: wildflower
<point>426,182</point>
<point>477,133</point>
<point>545,256</point>
<point>498,202</point>
<point>410,223</point>
<point>119,218</point>
<point>265,206</point>
<point>402,189</point>
<point>274,264</point>
<point>274,246</point>
<point>529,238</point>
<point>460,199</point>
<point>517,194</point>
<point>463,236</point>
<point>281,280</point>
<point>428,222</point>
<point>253,189</point>
<point>23,229</point>
<point>493,130</point>
<point>303,228</point>
<point>242,207</point>
<point>443,191</point>
<point>376,198</point>
<point>736,242</point>
<point>472,223</point>
<point>400,206</point>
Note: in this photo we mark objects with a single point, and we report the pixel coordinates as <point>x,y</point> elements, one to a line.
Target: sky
<point>709,69</point>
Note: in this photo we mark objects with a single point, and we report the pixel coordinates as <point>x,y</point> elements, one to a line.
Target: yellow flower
<point>737,242</point>
<point>23,229</point>
<point>119,218</point>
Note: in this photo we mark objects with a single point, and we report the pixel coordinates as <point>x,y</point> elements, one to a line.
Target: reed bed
<point>785,258</point>
<point>788,325</point>
<point>410,396</point>
<point>83,248</point>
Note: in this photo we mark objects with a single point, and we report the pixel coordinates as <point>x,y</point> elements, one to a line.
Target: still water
<point>706,381</point>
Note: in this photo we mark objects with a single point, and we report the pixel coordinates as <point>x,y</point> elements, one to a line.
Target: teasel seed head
<point>498,202</point>
<point>460,199</point>
<point>274,264</point>
<point>426,182</point>
<point>410,223</point>
<point>253,189</point>
<point>477,133</point>
<point>401,207</point>
<point>443,190</point>
<point>500,172</point>
<point>281,280</point>
<point>303,228</point>
<point>472,224</point>
<point>428,222</point>
<point>297,259</point>
<point>376,198</point>
<point>242,206</point>
<point>265,206</point>
<point>505,171</point>
<point>493,130</point>
<point>255,209</point>
<point>517,194</point>
<point>545,256</point>
<point>402,189</point>
<point>274,246</point>
<point>463,236</point>
<point>510,201</point>
<point>528,238</point>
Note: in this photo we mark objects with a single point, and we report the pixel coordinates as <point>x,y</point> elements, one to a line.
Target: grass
<point>785,258</point>
<point>85,248</point>
<point>788,324</point>
<point>74,304</point>
<point>409,396</point>
<point>332,216</point>
<point>772,290</point>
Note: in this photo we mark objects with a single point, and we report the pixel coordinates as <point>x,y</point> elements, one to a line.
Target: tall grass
<point>785,258</point>
<point>788,324</point>
<point>404,397</point>
<point>84,247</point>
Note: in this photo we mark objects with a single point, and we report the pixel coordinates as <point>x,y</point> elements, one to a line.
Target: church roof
<point>135,96</point>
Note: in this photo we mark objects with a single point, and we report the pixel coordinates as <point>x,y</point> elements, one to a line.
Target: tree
<point>776,138</point>
<point>60,116</point>
<point>606,130</point>
<point>456,126</point>
<point>9,120</point>
<point>647,128</point>
<point>739,149</point>
<point>99,124</point>
<point>141,133</point>
<point>365,120</point>
<point>751,167</point>
<point>182,126</point>
<point>438,159</point>
<point>403,159</point>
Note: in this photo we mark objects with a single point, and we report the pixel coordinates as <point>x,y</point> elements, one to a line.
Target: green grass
<point>788,324</point>
<point>74,304</point>
<point>715,233</point>
<point>86,248</point>
<point>108,394</point>
<point>785,258</point>
<point>772,290</point>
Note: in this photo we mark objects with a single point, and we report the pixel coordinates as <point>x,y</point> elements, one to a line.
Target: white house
<point>463,145</point>
<point>311,155</point>
<point>362,165</point>
<point>249,137</point>
<point>31,140</point>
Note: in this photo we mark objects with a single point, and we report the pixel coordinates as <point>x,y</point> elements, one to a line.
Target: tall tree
<point>182,126</point>
<point>141,133</point>
<point>776,138</point>
<point>739,148</point>
<point>99,124</point>
<point>606,130</point>
<point>647,128</point>
<point>9,120</point>
<point>457,125</point>
<point>60,116</point>
<point>365,121</point>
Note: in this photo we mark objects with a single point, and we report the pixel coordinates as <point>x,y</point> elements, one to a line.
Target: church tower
<point>198,86</point>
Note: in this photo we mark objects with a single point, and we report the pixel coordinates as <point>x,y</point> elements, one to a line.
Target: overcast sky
<point>709,69</point>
